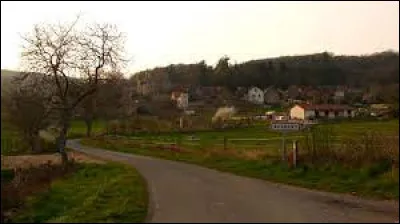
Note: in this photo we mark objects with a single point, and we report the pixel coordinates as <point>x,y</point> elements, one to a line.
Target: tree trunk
<point>89,123</point>
<point>90,109</point>
<point>36,142</point>
<point>61,140</point>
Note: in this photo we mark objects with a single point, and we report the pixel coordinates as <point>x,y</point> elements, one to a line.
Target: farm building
<point>310,111</point>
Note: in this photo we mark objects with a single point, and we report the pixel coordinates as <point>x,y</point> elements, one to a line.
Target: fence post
<point>181,122</point>
<point>295,144</point>
<point>283,147</point>
<point>225,142</point>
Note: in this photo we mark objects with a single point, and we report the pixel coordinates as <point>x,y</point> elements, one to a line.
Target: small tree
<point>27,108</point>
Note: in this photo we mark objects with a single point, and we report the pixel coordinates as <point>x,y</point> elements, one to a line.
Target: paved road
<point>182,192</point>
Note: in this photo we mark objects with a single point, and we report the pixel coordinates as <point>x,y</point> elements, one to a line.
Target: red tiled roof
<point>331,107</point>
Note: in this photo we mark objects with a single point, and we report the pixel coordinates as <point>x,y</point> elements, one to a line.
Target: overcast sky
<point>161,33</point>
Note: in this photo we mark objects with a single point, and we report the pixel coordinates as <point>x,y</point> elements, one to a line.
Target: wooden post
<point>225,143</point>
<point>181,122</point>
<point>283,146</point>
<point>295,153</point>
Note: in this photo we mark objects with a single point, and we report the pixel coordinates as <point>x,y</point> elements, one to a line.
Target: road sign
<point>286,126</point>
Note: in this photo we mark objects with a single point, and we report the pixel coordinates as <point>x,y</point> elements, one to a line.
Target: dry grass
<point>255,154</point>
<point>26,161</point>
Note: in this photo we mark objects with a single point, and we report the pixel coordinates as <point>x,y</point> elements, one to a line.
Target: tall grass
<point>364,148</point>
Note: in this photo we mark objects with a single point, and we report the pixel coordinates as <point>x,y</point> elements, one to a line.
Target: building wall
<point>309,114</point>
<point>297,113</point>
<point>256,96</point>
<point>331,114</point>
<point>183,101</point>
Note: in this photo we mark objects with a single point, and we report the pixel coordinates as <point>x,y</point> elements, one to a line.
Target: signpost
<point>283,145</point>
<point>285,126</point>
<point>294,153</point>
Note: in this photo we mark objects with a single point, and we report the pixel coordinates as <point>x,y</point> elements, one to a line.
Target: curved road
<point>181,192</point>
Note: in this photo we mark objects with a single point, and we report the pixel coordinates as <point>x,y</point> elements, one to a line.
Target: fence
<point>320,146</point>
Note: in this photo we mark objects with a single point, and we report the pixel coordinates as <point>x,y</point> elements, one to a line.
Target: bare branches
<point>64,54</point>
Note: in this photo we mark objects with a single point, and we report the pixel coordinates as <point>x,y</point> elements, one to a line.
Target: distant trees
<point>74,61</point>
<point>310,70</point>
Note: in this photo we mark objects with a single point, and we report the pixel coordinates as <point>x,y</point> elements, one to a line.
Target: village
<point>296,104</point>
<point>168,112</point>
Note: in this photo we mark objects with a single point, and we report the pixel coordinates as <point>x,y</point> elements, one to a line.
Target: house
<point>271,96</point>
<point>293,92</point>
<point>255,95</point>
<point>316,111</point>
<point>339,95</point>
<point>181,97</point>
<point>177,91</point>
<point>182,102</point>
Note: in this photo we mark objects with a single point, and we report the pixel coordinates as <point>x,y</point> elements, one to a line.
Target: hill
<point>311,70</point>
<point>6,77</point>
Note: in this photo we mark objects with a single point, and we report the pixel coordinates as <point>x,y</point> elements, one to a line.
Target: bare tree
<point>108,102</point>
<point>27,108</point>
<point>75,61</point>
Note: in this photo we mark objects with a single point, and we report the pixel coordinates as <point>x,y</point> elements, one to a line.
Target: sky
<point>163,33</point>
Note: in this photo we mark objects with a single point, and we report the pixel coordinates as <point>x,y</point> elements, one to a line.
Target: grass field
<point>94,193</point>
<point>253,158</point>
<point>78,128</point>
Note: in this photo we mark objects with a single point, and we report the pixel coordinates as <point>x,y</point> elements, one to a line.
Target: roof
<point>331,107</point>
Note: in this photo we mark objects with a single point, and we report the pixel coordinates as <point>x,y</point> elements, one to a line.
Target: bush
<point>29,181</point>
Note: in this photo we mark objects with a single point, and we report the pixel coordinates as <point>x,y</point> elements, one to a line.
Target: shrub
<point>364,149</point>
<point>28,181</point>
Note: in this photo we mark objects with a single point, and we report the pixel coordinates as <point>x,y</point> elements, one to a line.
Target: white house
<point>311,112</point>
<point>182,102</point>
<point>255,95</point>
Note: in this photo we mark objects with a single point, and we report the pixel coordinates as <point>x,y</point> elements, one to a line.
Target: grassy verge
<point>94,193</point>
<point>372,181</point>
